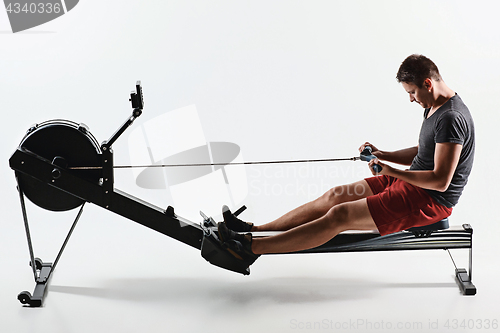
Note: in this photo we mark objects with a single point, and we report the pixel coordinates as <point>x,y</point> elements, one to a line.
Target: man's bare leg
<point>353,215</point>
<point>319,207</point>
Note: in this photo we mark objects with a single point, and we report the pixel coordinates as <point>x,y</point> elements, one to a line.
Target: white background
<point>283,80</point>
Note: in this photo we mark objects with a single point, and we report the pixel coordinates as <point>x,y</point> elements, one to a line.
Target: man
<point>396,199</point>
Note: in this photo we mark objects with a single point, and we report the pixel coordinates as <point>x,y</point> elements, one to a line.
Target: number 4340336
<point>34,8</point>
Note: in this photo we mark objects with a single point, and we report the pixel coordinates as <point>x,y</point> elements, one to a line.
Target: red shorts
<point>397,205</point>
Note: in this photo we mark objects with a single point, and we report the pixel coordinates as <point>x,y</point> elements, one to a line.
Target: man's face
<point>421,96</point>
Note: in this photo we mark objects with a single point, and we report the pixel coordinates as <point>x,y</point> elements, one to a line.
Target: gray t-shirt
<point>452,122</point>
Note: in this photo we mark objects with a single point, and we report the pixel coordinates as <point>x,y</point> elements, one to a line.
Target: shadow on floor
<point>277,290</point>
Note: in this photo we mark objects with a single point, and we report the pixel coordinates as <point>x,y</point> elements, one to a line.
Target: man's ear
<point>428,84</point>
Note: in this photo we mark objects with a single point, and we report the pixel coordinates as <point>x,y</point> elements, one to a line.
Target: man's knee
<point>339,194</point>
<point>346,193</point>
<point>350,216</point>
<point>334,195</point>
<point>338,216</point>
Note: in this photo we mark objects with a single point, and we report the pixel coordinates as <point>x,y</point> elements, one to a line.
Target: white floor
<point>116,276</point>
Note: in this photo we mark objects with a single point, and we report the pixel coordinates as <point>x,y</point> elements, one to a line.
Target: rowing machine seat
<point>426,230</point>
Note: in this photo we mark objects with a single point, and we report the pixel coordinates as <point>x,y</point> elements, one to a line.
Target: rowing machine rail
<point>60,166</point>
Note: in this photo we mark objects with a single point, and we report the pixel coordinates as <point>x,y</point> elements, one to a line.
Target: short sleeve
<point>451,127</point>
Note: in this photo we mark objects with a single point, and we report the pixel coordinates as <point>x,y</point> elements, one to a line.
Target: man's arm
<point>446,157</point>
<point>403,156</point>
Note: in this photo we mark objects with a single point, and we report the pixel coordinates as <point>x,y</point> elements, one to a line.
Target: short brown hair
<point>416,68</point>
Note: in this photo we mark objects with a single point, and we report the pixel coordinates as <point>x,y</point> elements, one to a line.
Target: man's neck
<point>442,93</point>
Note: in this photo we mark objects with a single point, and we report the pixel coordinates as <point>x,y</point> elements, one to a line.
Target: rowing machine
<point>60,166</point>
<point>437,236</point>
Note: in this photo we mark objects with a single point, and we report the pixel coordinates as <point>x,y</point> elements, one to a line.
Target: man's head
<point>416,69</point>
<point>419,75</point>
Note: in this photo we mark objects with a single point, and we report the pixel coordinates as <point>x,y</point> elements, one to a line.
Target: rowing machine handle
<point>366,155</point>
<point>137,103</point>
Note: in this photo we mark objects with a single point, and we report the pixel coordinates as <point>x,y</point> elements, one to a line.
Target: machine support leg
<point>68,236</point>
<point>470,263</point>
<point>42,271</point>
<point>464,278</point>
<point>27,228</point>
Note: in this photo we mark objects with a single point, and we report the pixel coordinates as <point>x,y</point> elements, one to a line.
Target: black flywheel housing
<point>65,144</point>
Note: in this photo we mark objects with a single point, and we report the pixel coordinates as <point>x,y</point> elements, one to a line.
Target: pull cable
<point>217,164</point>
